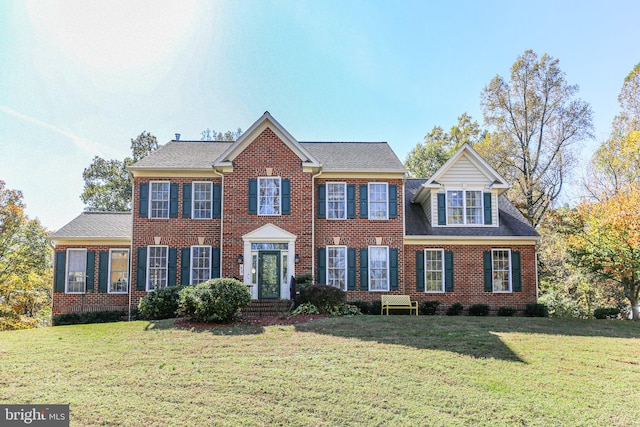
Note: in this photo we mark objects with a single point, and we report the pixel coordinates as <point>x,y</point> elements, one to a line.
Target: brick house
<point>268,207</point>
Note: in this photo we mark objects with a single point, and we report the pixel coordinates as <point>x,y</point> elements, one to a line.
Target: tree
<point>438,146</point>
<point>25,275</point>
<point>536,120</point>
<point>608,244</point>
<point>212,135</point>
<point>629,99</point>
<point>107,186</point>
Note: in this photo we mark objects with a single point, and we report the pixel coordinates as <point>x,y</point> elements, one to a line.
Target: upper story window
<point>336,200</point>
<point>118,271</point>
<point>378,201</point>
<point>464,207</point>
<point>76,270</point>
<point>202,200</point>
<point>269,196</point>
<point>159,200</point>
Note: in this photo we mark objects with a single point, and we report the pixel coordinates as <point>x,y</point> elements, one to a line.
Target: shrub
<point>606,313</point>
<point>455,309</point>
<point>306,308</point>
<point>350,310</point>
<point>479,310</point>
<point>162,303</point>
<point>376,307</point>
<point>429,308</point>
<point>88,317</point>
<point>364,306</point>
<point>216,300</point>
<point>327,299</point>
<point>506,311</point>
<point>536,310</point>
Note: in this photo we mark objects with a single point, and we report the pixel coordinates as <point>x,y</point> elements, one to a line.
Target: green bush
<point>364,306</point>
<point>376,307</point>
<point>429,308</point>
<point>350,310</point>
<point>88,317</point>
<point>506,311</point>
<point>606,313</point>
<point>455,309</point>
<point>216,300</point>
<point>536,310</point>
<point>161,303</point>
<point>479,310</point>
<point>327,299</point>
<point>306,308</point>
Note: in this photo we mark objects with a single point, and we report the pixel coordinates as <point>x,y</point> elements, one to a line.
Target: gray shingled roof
<point>96,225</point>
<point>354,156</point>
<point>183,155</point>
<point>512,223</point>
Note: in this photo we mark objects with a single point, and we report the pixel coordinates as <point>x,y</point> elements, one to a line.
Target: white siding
<point>494,209</point>
<point>434,209</point>
<point>426,206</point>
<point>463,171</point>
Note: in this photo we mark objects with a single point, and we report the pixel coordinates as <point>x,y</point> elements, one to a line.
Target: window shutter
<point>364,201</point>
<point>186,200</point>
<point>488,272</point>
<point>516,277</point>
<point>322,201</point>
<point>173,200</point>
<point>351,201</point>
<point>215,263</point>
<point>217,201</point>
<point>351,269</point>
<point>185,266</point>
<point>286,197</point>
<point>442,209</point>
<point>173,263</point>
<point>420,271</point>
<point>91,270</point>
<point>60,268</point>
<point>143,200</point>
<point>448,271</point>
<point>488,213</point>
<point>322,266</point>
<point>364,268</point>
<point>253,196</point>
<point>103,271</point>
<point>141,270</point>
<point>393,268</point>
<point>393,201</point>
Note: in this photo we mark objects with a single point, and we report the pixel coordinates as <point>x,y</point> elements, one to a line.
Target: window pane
<point>434,270</point>
<point>119,276</point>
<point>200,264</point>
<point>378,268</point>
<point>455,206</point>
<point>501,270</point>
<point>337,266</point>
<point>378,201</point>
<point>202,194</point>
<point>269,196</point>
<point>474,207</point>
<point>159,200</point>
<point>336,200</point>
<point>76,270</point>
<point>157,267</point>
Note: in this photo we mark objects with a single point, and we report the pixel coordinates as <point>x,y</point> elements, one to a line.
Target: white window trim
<point>128,270</point>
<point>493,287</point>
<point>279,195</point>
<point>346,266</point>
<point>388,270</point>
<point>464,207</point>
<point>193,199</point>
<point>386,184</point>
<point>442,285</point>
<point>149,266</point>
<point>191,260</point>
<point>66,271</point>
<point>344,185</point>
<point>151,200</point>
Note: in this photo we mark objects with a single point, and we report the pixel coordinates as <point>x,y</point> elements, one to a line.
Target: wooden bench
<point>399,302</point>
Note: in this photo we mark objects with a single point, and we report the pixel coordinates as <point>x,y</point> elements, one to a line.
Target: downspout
<point>221,175</point>
<point>313,224</point>
<point>133,194</point>
<point>404,234</point>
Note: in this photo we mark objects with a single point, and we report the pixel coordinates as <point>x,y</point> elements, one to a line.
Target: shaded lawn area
<point>363,370</point>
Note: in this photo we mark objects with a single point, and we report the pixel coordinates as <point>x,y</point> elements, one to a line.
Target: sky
<point>81,78</point>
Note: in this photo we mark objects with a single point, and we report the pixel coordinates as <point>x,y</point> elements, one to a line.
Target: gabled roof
<point>355,156</point>
<point>183,155</point>
<point>96,226</point>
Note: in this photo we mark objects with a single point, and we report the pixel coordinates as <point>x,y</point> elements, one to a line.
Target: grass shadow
<point>236,328</point>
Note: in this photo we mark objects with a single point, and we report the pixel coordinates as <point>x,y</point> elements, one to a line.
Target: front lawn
<point>364,370</point>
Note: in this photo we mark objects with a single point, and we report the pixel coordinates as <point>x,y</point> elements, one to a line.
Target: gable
<point>465,171</point>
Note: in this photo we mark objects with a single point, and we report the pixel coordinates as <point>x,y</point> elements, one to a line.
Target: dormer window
<point>464,207</point>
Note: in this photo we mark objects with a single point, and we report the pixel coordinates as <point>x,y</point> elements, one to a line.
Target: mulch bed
<point>251,320</point>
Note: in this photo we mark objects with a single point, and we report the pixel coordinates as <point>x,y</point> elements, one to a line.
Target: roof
<point>355,156</point>
<point>96,225</point>
<point>511,222</point>
<point>183,155</point>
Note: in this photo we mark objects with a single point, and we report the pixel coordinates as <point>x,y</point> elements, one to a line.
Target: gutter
<point>313,223</point>
<point>221,175</point>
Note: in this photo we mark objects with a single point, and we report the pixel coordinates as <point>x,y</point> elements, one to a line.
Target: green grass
<point>365,370</point>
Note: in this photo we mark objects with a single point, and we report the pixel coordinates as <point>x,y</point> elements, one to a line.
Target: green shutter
<point>217,200</point>
<point>143,200</point>
<point>448,271</point>
<point>393,268</point>
<point>364,201</point>
<point>185,266</point>
<point>253,196</point>
<point>103,271</point>
<point>141,269</point>
<point>60,269</point>
<point>364,269</point>
<point>393,201</point>
<point>173,200</point>
<point>322,201</point>
<point>91,270</point>
<point>351,201</point>
<point>351,269</point>
<point>286,197</point>
<point>322,266</point>
<point>173,264</point>
<point>420,271</point>
<point>442,209</point>
<point>186,200</point>
<point>215,263</point>
<point>488,215</point>
<point>516,275</point>
<point>488,272</point>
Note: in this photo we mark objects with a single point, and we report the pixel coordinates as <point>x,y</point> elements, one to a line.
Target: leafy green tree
<point>629,99</point>
<point>535,120</point>
<point>212,135</point>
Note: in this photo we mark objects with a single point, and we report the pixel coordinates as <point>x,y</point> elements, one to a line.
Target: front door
<point>269,273</point>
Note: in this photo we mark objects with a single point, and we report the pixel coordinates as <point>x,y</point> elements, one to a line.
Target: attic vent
<point>177,137</point>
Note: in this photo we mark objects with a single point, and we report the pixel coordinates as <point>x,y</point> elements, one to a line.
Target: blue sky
<point>81,78</point>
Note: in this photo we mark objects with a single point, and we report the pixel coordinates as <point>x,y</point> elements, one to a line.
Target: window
<point>378,201</point>
<point>159,200</point>
<point>200,264</point>
<point>501,270</point>
<point>464,207</point>
<point>76,270</point>
<point>337,266</point>
<point>434,270</point>
<point>157,267</point>
<point>336,200</point>
<point>269,196</point>
<point>378,268</point>
<point>118,271</point>
<point>473,201</point>
<point>202,200</point>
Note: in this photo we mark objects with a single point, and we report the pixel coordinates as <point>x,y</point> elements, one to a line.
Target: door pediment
<point>270,233</point>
